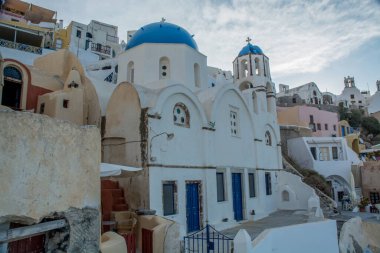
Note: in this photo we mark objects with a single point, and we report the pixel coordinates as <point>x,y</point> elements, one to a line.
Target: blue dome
<point>161,32</point>
<point>250,49</point>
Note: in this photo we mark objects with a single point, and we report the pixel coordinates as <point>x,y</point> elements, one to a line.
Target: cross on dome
<point>248,39</point>
<point>163,19</point>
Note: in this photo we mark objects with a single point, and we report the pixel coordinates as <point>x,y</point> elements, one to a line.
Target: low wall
<point>315,237</point>
<point>165,233</point>
<point>357,236</point>
<point>297,191</point>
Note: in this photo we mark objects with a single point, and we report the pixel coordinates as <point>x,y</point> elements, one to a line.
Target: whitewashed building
<point>211,154</point>
<point>374,103</point>
<point>309,93</point>
<point>351,96</point>
<point>330,157</point>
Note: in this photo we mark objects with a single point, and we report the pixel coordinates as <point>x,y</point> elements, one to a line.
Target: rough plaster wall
<point>370,177</point>
<point>357,236</point>
<point>46,166</point>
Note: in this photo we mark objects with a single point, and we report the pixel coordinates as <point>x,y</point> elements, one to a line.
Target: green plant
<point>371,125</point>
<point>363,203</point>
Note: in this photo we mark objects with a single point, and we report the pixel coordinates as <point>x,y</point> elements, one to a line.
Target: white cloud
<point>298,36</point>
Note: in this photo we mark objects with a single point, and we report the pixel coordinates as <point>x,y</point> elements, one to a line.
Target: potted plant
<point>363,203</point>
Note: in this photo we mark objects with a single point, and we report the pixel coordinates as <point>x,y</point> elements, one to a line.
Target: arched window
<point>245,85</point>
<point>268,138</point>
<point>244,68</point>
<point>285,196</point>
<point>131,72</point>
<point>164,68</point>
<point>257,66</point>
<point>181,116</point>
<point>197,76</point>
<point>12,89</point>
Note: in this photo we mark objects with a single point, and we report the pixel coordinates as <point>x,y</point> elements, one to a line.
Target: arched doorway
<point>12,89</point>
<point>340,188</point>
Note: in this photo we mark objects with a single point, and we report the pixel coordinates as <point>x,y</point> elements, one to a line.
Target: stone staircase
<point>328,205</point>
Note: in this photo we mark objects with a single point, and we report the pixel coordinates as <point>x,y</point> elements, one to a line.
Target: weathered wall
<point>46,166</point>
<point>370,177</point>
<point>357,236</point>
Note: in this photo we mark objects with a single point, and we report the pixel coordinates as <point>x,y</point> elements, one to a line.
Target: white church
<point>210,152</point>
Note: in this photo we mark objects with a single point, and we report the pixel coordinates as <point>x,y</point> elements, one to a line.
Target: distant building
<point>26,27</point>
<point>374,103</point>
<point>351,97</point>
<point>96,37</point>
<point>308,94</point>
<point>322,123</point>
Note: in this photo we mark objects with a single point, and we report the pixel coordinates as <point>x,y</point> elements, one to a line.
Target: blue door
<point>192,207</point>
<point>343,131</point>
<point>237,196</point>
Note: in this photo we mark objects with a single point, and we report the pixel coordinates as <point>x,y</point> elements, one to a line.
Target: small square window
<point>79,34</point>
<point>352,96</point>
<point>326,127</point>
<point>65,103</point>
<point>318,126</point>
<point>334,126</point>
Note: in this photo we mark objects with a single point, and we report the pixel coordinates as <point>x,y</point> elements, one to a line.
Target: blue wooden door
<point>192,207</point>
<point>237,196</point>
<point>343,131</point>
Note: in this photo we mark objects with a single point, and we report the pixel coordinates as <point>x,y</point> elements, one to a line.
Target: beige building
<point>54,85</point>
<point>370,173</point>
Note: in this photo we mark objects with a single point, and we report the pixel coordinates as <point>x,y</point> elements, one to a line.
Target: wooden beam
<point>16,234</point>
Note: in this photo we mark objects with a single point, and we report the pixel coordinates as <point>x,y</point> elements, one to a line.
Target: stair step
<point>109,184</point>
<point>119,201</point>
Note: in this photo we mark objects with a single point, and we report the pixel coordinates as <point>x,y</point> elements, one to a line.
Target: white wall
<point>299,192</point>
<point>146,58</point>
<point>313,237</point>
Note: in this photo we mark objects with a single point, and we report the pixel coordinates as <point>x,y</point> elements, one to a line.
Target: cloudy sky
<point>320,41</point>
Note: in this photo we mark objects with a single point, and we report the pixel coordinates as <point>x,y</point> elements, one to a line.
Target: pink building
<point>323,123</point>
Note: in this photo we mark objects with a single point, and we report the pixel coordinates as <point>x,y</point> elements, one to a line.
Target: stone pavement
<point>277,219</point>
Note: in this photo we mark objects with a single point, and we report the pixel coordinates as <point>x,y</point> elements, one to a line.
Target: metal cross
<point>248,39</point>
<point>163,20</point>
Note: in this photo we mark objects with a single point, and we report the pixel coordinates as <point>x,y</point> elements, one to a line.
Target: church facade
<point>210,154</point>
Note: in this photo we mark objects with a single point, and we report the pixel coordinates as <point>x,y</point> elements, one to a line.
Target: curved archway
<point>13,85</point>
<point>285,195</point>
<point>339,187</point>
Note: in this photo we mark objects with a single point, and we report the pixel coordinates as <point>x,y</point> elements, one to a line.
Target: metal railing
<point>208,240</point>
<point>20,46</point>
<point>99,48</point>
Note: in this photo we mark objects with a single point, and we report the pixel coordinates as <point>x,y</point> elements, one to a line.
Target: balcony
<point>20,46</point>
<point>113,39</point>
<point>99,48</point>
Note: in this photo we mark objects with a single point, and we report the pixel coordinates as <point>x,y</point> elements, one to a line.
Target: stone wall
<point>291,132</point>
<point>49,169</point>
